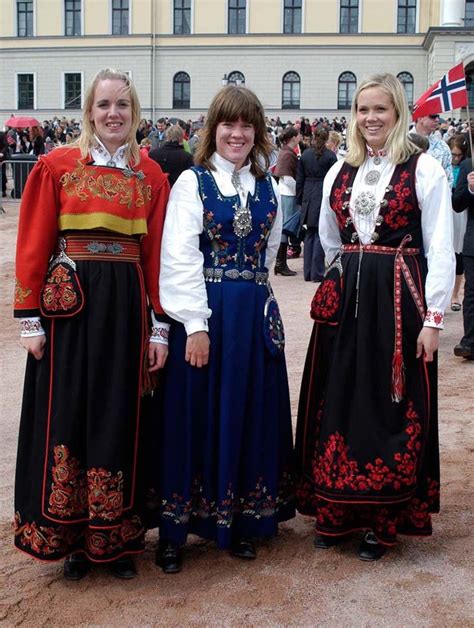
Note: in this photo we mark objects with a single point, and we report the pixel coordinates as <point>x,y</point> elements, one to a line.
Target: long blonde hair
<point>230,104</point>
<point>398,144</point>
<point>86,138</point>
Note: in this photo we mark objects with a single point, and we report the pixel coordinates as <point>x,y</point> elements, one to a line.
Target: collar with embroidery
<point>376,153</point>
<point>102,156</point>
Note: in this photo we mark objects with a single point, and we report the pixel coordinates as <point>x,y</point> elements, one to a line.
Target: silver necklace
<point>242,223</point>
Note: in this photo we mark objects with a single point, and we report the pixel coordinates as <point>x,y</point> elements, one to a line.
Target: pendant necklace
<point>242,222</point>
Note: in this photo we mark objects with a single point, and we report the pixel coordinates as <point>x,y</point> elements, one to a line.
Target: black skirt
<point>366,461</point>
<point>80,444</point>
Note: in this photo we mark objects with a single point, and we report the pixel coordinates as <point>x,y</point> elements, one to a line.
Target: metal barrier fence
<point>14,173</point>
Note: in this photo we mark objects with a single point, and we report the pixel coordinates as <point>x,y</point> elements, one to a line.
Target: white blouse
<point>434,199</point>
<point>182,287</point>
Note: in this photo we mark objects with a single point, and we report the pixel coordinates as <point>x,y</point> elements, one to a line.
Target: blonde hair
<point>398,144</point>
<point>230,104</point>
<point>174,134</point>
<point>86,139</point>
<point>335,138</point>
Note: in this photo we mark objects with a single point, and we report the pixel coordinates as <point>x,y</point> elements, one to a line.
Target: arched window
<point>291,91</point>
<point>406,79</point>
<point>237,78</point>
<point>181,91</point>
<point>346,88</point>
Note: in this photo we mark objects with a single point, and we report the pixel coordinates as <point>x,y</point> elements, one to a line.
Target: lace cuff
<point>159,331</point>
<point>30,327</point>
<point>434,318</point>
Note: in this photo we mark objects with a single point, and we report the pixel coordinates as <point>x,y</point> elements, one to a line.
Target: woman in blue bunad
<point>367,434</point>
<point>226,439</point>
<point>87,266</point>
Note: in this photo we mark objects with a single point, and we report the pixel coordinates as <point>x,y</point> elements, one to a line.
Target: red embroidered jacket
<point>64,192</point>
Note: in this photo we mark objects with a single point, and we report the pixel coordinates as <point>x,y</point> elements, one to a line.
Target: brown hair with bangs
<point>230,104</point>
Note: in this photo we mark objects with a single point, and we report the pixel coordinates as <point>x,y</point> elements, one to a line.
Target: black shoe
<point>76,567</point>
<point>282,269</point>
<point>322,541</point>
<point>463,351</point>
<point>370,549</point>
<point>123,567</point>
<point>243,548</point>
<point>169,557</point>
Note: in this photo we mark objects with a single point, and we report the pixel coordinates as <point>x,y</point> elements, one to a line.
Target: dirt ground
<point>422,582</point>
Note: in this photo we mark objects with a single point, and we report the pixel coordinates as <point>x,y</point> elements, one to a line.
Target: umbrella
<point>21,122</point>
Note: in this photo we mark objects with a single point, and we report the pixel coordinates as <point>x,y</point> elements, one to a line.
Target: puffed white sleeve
<point>274,238</point>
<point>434,199</point>
<point>328,228</point>
<point>183,292</point>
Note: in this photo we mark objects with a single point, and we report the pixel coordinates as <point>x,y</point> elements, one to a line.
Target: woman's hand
<point>197,349</point>
<point>34,345</point>
<point>157,354</point>
<point>427,343</point>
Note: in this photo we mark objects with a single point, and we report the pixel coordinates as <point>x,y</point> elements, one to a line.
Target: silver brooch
<point>372,177</point>
<point>242,222</point>
<point>365,203</point>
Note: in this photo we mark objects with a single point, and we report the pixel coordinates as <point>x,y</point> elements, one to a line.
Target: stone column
<point>452,12</point>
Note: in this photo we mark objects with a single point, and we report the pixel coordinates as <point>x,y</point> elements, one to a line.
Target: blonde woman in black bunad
<point>367,434</point>
<point>87,267</point>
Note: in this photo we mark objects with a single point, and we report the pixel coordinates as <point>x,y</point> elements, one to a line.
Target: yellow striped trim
<point>102,220</point>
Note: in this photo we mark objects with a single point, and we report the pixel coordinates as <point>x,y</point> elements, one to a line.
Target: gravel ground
<point>422,582</point>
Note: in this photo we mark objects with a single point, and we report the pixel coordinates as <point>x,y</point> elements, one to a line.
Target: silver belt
<point>219,274</point>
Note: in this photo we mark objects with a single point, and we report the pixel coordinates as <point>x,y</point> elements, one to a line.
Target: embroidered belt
<point>102,247</point>
<point>220,274</point>
<point>400,266</point>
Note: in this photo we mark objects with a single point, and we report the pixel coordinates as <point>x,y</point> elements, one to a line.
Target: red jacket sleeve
<point>151,243</point>
<point>37,234</point>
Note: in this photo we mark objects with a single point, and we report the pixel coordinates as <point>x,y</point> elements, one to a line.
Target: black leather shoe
<point>76,567</point>
<point>370,549</point>
<point>169,557</point>
<point>463,351</point>
<point>322,541</point>
<point>285,271</point>
<point>243,548</point>
<point>123,567</point>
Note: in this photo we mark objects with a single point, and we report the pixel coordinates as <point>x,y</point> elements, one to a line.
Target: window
<point>26,91</point>
<point>406,16</point>
<point>291,91</point>
<point>469,14</point>
<point>24,18</point>
<point>182,17</point>
<point>292,16</point>
<point>237,17</point>
<point>181,91</point>
<point>119,17</point>
<point>73,17</point>
<point>470,86</point>
<point>406,79</point>
<point>349,18</point>
<point>346,89</point>
<point>236,78</point>
<point>72,90</point>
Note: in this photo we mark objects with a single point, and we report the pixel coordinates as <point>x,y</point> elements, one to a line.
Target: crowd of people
<point>143,264</point>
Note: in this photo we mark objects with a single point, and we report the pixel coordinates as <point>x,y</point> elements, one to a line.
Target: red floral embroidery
<point>100,542</point>
<point>43,540</point>
<point>337,201</point>
<point>68,490</point>
<point>399,206</point>
<point>326,301</point>
<point>335,470</point>
<point>105,494</point>
<point>434,316</point>
<point>59,293</point>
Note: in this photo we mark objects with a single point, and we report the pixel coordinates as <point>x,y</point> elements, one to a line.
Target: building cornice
<point>446,31</point>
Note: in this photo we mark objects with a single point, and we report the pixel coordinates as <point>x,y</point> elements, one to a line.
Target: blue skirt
<point>225,443</point>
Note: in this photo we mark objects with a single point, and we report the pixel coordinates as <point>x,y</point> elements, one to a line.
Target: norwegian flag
<point>445,95</point>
